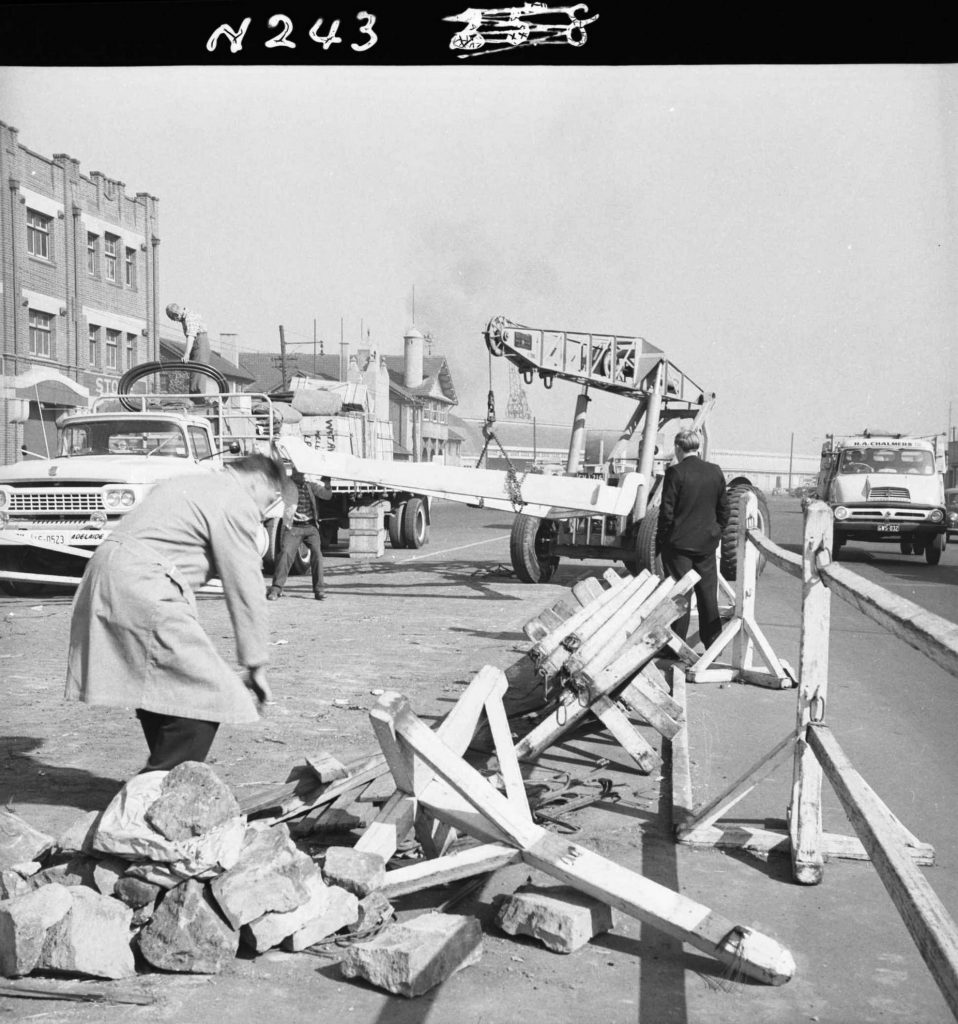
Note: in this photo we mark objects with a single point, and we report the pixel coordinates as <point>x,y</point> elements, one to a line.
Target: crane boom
<point>536,494</point>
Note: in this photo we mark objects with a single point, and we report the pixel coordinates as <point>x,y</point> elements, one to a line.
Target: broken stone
<point>337,909</point>
<point>270,876</point>
<point>78,838</point>
<point>142,916</point>
<point>321,907</point>
<point>415,956</point>
<point>20,842</point>
<point>12,883</point>
<point>93,938</point>
<point>193,800</point>
<point>374,910</point>
<point>136,892</point>
<point>356,870</point>
<point>187,934</point>
<point>24,923</point>
<point>560,917</point>
<point>71,871</point>
<point>107,871</point>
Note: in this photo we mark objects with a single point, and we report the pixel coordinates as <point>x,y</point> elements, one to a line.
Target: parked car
<point>951,512</point>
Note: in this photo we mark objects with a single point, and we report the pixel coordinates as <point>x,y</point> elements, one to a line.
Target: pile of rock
<point>172,876</point>
<point>90,900</point>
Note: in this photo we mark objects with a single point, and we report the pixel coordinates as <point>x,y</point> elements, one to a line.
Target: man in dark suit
<point>301,521</point>
<point>693,514</point>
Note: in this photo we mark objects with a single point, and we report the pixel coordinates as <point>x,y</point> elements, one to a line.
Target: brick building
<point>78,289</point>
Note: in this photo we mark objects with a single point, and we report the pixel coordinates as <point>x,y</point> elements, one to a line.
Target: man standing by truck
<point>301,526</point>
<point>135,639</point>
<point>693,514</point>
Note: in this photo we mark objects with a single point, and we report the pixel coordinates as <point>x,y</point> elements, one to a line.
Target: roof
<point>228,369</point>
<point>434,368</point>
<point>267,374</point>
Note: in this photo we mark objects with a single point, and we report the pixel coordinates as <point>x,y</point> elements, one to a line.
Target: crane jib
<point>610,362</point>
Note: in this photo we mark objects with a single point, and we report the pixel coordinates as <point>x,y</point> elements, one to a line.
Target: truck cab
<point>55,512</point>
<point>885,488</point>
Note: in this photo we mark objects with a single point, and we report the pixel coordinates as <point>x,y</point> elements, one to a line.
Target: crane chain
<point>513,481</point>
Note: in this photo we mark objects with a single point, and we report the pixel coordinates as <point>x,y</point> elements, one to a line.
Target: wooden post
<point>745,580</point>
<point>805,809</point>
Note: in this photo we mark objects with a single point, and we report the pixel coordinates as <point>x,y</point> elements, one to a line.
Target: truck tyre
<point>646,558</point>
<point>137,373</point>
<point>934,548</point>
<point>415,528</point>
<point>272,550</point>
<point>906,547</point>
<point>729,542</point>
<point>395,526</point>
<point>837,544</point>
<point>529,546</point>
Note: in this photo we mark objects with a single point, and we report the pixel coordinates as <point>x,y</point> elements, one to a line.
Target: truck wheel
<point>905,547</point>
<point>138,372</point>
<point>302,561</point>
<point>934,548</point>
<point>415,528</point>
<point>529,549</point>
<point>729,542</point>
<point>272,550</point>
<point>646,558</point>
<point>395,526</point>
<point>837,544</point>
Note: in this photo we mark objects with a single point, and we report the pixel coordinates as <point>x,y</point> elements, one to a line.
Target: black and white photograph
<point>478,517</point>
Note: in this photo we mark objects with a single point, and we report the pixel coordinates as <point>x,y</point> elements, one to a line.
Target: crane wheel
<point>529,549</point>
<point>729,542</point>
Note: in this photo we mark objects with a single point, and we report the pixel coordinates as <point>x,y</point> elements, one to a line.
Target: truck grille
<point>901,515</point>
<point>889,494</point>
<point>55,500</point>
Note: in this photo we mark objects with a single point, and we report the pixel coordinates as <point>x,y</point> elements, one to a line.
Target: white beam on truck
<point>533,494</point>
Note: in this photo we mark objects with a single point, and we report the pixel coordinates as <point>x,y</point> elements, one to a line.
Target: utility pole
<point>282,354</point>
<point>314,345</point>
<point>791,455</point>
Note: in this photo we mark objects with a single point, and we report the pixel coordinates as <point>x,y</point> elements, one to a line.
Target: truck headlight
<point>937,515</point>
<point>841,512</point>
<point>3,499</point>
<point>4,519</point>
<point>119,497</point>
<point>98,518</point>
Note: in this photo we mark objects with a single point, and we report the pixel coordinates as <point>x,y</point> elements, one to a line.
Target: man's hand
<point>256,682</point>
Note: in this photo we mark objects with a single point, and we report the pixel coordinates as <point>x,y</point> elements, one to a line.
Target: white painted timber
<point>539,495</point>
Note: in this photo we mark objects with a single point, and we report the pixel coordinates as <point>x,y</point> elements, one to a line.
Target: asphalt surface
<point>423,622</point>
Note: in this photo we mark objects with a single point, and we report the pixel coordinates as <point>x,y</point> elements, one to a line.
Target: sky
<point>786,234</point>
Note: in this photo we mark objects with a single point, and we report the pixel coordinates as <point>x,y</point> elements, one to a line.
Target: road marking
<point>462,547</point>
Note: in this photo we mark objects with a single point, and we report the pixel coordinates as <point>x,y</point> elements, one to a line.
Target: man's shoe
<point>273,594</point>
<point>319,595</point>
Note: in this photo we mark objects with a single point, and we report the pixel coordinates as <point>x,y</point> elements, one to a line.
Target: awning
<point>49,387</point>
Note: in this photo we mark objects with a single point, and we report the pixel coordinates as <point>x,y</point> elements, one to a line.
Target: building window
<point>130,350</point>
<point>131,268</point>
<point>93,344</point>
<point>92,242</point>
<point>41,334</point>
<point>111,246</point>
<point>38,234</point>
<point>112,348</point>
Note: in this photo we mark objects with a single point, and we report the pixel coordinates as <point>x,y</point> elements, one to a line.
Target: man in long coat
<point>135,639</point>
<point>692,516</point>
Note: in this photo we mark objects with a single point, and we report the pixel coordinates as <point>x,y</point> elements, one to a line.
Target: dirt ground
<point>423,622</point>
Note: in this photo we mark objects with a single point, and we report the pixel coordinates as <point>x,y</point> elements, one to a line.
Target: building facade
<point>420,391</point>
<point>79,272</point>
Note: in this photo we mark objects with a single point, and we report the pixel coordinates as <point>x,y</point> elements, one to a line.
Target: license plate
<point>46,538</point>
<point>889,527</point>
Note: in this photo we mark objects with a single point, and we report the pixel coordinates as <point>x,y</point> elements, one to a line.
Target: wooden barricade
<point>816,755</point>
<point>436,791</point>
<point>597,660</point>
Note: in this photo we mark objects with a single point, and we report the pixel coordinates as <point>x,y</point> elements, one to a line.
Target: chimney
<point>413,358</point>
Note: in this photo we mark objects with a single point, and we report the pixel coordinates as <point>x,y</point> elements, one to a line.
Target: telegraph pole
<point>282,354</point>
